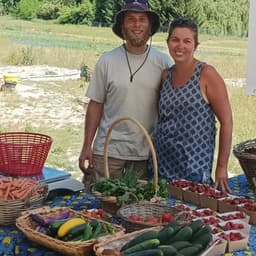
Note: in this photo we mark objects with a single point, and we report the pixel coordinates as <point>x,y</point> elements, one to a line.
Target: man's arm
<point>92,120</point>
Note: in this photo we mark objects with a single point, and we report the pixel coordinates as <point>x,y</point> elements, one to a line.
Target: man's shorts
<point>116,166</point>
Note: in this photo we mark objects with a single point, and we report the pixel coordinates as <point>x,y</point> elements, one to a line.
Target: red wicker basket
<point>23,153</point>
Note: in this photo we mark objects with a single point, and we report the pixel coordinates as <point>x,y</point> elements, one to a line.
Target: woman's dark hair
<point>184,23</point>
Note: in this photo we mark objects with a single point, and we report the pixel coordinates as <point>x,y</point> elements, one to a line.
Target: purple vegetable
<point>46,221</point>
<point>64,215</point>
<point>41,229</point>
<point>41,221</point>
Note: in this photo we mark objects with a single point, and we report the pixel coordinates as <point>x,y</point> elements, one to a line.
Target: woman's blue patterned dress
<point>184,137</point>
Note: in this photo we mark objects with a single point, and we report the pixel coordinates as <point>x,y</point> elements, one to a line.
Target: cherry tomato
<point>167,217</point>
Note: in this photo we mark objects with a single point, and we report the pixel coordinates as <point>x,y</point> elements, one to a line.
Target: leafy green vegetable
<point>129,189</point>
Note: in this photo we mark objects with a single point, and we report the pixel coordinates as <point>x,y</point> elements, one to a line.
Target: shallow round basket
<point>109,203</point>
<point>23,153</point>
<point>74,248</point>
<point>147,210</point>
<point>245,152</point>
<point>10,210</point>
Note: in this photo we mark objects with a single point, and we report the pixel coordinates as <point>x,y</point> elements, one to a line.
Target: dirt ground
<point>51,108</point>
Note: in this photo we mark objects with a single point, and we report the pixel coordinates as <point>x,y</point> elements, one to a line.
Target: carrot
<point>16,188</point>
<point>7,191</point>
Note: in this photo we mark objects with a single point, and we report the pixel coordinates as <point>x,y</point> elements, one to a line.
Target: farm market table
<point>14,243</point>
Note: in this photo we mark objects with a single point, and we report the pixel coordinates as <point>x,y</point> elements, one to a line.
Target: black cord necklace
<point>132,74</point>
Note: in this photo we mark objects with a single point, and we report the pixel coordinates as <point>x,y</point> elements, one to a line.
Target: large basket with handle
<point>109,203</point>
<point>245,152</point>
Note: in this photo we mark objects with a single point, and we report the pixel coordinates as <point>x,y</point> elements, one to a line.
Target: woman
<point>193,94</point>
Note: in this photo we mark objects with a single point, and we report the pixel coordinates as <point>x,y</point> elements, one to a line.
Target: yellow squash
<point>68,225</point>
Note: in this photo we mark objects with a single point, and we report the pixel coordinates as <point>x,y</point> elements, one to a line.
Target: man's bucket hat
<point>135,6</point>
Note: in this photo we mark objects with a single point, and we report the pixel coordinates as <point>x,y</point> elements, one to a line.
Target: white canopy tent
<point>251,64</point>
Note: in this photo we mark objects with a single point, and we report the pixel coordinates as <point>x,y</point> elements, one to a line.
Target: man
<point>125,82</point>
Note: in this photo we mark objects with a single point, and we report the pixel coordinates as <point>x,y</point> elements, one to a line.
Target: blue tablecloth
<point>14,243</point>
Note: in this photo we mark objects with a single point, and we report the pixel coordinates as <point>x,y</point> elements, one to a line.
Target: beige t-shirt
<point>138,99</point>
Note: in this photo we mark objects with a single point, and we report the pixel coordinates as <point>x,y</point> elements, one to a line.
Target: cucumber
<point>54,226</point>
<point>77,238</point>
<point>189,251</point>
<point>97,231</point>
<point>181,244</point>
<point>204,240</point>
<point>173,223</point>
<point>148,252</point>
<point>168,250</point>
<point>168,232</point>
<point>74,232</point>
<point>65,228</point>
<point>87,234</point>
<point>184,234</point>
<point>202,231</point>
<point>148,244</point>
<point>196,225</point>
<point>165,234</point>
<point>200,247</point>
<point>151,234</point>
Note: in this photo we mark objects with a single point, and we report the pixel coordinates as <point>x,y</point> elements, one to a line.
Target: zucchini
<point>54,226</point>
<point>148,244</point>
<point>110,228</point>
<point>189,251</point>
<point>200,247</point>
<point>168,250</point>
<point>87,234</point>
<point>74,232</point>
<point>77,238</point>
<point>150,234</point>
<point>68,225</point>
<point>202,231</point>
<point>148,252</point>
<point>96,233</point>
<point>94,224</point>
<point>184,234</point>
<point>196,225</point>
<point>165,234</point>
<point>204,240</point>
<point>173,224</point>
<point>181,244</point>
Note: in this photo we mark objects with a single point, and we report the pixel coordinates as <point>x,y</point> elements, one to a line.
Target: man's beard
<point>136,41</point>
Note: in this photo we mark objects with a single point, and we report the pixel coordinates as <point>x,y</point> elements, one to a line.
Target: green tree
<point>26,9</point>
<point>105,11</point>
<point>8,6</point>
<point>82,14</point>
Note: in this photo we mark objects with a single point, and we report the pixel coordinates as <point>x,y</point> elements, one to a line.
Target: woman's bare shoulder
<point>208,69</point>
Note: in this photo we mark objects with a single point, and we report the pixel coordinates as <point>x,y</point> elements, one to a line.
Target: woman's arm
<point>216,93</point>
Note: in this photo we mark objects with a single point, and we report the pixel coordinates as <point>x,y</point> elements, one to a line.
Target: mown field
<point>45,43</point>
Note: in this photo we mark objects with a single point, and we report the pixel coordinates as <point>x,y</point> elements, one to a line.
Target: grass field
<point>39,42</point>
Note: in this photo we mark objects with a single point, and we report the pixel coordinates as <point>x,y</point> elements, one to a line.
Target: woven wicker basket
<point>78,248</point>
<point>23,153</point>
<point>110,246</point>
<point>147,210</point>
<point>11,209</point>
<point>245,152</point>
<point>109,203</point>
